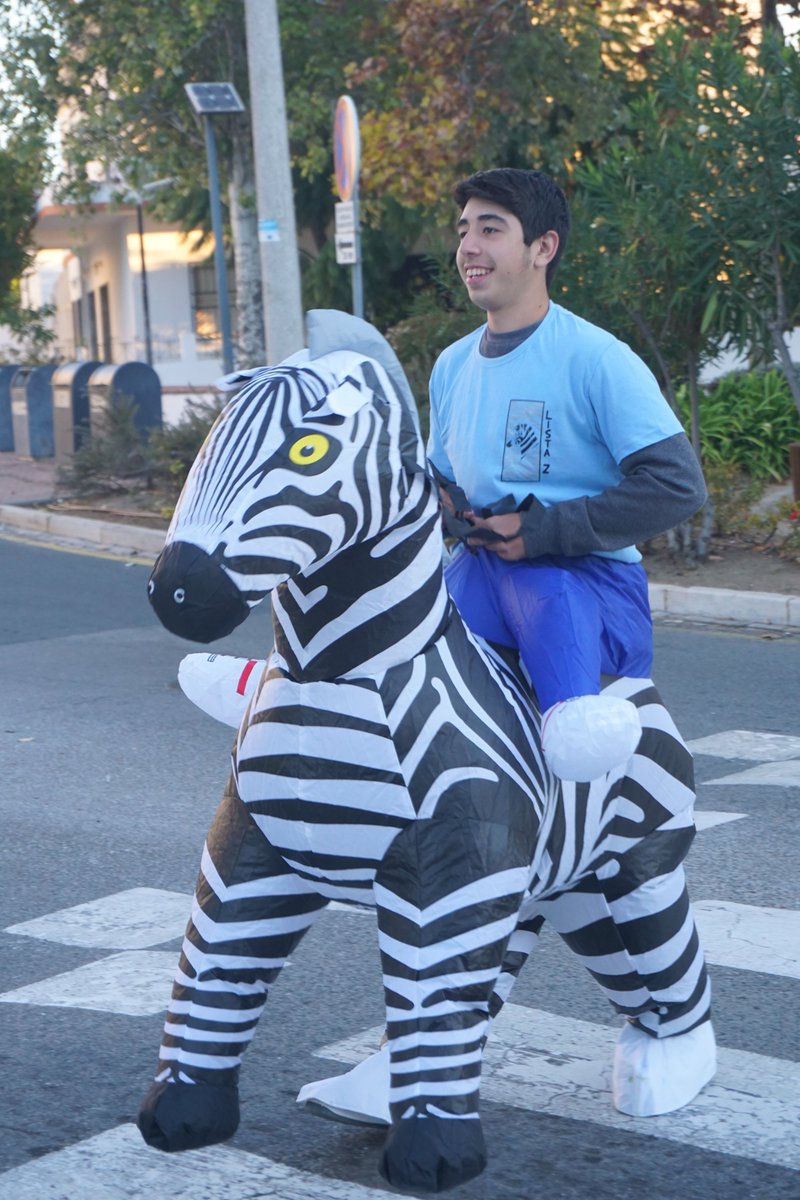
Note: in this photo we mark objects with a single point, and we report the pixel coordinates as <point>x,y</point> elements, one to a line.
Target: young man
<point>556,453</point>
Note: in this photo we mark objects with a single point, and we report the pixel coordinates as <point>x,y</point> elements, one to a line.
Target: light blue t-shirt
<point>553,417</point>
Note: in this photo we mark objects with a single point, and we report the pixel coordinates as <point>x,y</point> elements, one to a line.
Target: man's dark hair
<point>534,198</point>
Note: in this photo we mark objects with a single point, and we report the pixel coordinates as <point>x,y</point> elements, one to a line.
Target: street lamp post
<point>148,336</point>
<point>209,100</point>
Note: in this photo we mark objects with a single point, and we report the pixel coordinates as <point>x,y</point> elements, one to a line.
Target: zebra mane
<point>328,330</point>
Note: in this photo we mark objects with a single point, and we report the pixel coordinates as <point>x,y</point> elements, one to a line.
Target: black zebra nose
<point>193,596</point>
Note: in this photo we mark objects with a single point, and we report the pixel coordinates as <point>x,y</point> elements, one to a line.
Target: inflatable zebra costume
<point>389,758</point>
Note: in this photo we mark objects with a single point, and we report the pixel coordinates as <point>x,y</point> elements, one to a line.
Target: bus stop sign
<point>346,147</point>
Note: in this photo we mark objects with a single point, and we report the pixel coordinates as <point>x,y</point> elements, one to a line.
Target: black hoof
<point>185,1116</point>
<point>432,1154</point>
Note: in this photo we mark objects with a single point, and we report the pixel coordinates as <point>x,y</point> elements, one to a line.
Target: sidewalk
<point>24,483</point>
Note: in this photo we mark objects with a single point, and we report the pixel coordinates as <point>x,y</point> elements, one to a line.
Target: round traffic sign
<point>346,147</point>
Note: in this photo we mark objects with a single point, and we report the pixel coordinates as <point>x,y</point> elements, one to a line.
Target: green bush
<point>733,494</point>
<point>118,457</point>
<point>747,420</point>
<point>173,448</point>
<point>113,456</point>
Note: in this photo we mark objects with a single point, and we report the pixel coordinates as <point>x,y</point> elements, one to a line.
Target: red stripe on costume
<point>245,675</point>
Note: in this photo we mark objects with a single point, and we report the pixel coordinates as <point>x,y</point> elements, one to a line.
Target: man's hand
<point>507,527</point>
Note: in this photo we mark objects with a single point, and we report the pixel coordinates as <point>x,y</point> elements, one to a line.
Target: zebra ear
<point>343,401</point>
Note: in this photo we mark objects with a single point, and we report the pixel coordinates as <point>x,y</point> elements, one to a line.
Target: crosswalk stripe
<point>142,917</point>
<point>707,818</point>
<point>750,938</point>
<point>136,983</point>
<point>131,920</point>
<point>785,773</point>
<point>116,1165</point>
<point>560,1066</point>
<point>747,744</point>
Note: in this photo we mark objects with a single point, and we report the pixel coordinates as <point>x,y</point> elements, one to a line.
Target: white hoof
<point>658,1075</point>
<point>220,684</point>
<point>587,736</point>
<point>361,1095</point>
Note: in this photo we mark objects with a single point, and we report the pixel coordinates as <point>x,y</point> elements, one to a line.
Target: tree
<point>116,71</point>
<point>453,85</point>
<point>17,216</point>
<point>688,234</point>
<point>20,170</point>
<point>750,121</point>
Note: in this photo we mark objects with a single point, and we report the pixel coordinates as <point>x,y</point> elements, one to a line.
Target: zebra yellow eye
<point>309,449</point>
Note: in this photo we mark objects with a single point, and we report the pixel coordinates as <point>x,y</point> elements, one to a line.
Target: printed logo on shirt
<point>522,452</point>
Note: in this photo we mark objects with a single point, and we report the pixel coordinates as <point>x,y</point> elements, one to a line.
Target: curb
<point>129,539</point>
<point>720,606</point>
<point>723,606</point>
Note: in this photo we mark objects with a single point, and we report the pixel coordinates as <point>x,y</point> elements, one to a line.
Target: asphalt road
<point>108,780</point>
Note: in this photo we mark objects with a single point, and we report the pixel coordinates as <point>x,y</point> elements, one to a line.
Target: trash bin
<point>7,373</point>
<point>32,411</point>
<point>135,383</point>
<point>71,407</point>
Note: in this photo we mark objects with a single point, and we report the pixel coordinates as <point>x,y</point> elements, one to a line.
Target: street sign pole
<point>358,278</point>
<point>347,161</point>
<point>277,229</point>
<point>209,100</point>
<point>219,246</point>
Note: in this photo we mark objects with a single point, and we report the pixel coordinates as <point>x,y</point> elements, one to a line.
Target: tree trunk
<point>769,15</point>
<point>667,386</point>
<point>681,540</point>
<point>788,367</point>
<point>250,346</point>
<point>694,403</point>
<point>777,326</point>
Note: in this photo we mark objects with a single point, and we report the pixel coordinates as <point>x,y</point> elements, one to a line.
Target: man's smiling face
<point>499,270</point>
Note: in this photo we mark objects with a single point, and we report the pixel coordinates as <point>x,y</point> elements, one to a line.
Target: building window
<point>94,349</point>
<point>205,306</point>
<point>105,324</point>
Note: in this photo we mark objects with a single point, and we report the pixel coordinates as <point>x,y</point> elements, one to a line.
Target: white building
<point>125,288</point>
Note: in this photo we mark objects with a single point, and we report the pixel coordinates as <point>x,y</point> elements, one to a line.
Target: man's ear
<point>548,248</point>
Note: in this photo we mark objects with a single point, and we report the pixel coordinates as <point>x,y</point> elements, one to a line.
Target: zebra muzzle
<point>193,596</point>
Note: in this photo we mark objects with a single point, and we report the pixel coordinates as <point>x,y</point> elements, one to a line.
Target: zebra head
<point>310,458</point>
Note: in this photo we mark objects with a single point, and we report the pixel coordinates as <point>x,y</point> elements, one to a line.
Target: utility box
<point>134,383</point>
<point>71,407</point>
<point>32,411</point>
<point>7,373</point>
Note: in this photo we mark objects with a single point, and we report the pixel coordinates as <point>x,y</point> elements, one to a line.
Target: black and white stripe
<point>388,758</point>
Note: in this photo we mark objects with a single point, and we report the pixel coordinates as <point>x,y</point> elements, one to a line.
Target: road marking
<point>707,818</point>
<point>130,560</point>
<point>560,1066</point>
<point>137,983</point>
<point>750,938</point>
<point>130,920</point>
<point>747,744</point>
<point>117,1165</point>
<point>771,774</point>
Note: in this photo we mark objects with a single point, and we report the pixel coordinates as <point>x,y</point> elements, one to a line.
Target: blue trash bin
<point>135,383</point>
<point>32,411</point>
<point>7,373</point>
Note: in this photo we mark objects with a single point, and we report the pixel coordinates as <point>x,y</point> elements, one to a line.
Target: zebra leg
<point>361,1095</point>
<point>635,933</point>
<point>250,911</point>
<point>448,895</point>
<point>521,944</point>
